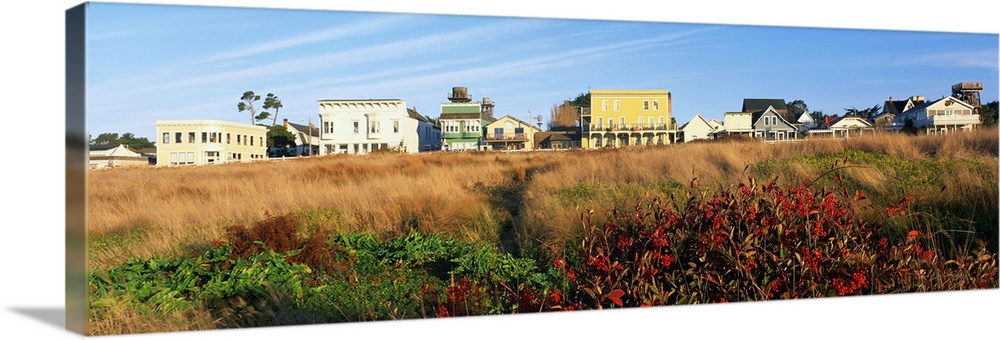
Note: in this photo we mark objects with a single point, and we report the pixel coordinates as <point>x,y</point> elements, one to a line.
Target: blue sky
<point>149,62</point>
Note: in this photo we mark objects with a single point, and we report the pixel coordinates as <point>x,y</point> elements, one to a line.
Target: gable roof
<point>106,146</point>
<point>305,129</point>
<point>890,114</point>
<point>926,104</point>
<point>697,118</point>
<point>894,107</point>
<point>516,120</point>
<point>756,116</point>
<point>759,104</point>
<point>416,115</point>
<point>842,118</point>
<point>806,116</point>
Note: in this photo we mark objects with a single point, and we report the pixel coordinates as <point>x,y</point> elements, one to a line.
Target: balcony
<point>506,137</point>
<point>628,128</point>
<point>953,119</point>
<point>461,135</point>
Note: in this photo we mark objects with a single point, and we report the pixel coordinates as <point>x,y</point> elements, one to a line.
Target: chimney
<point>285,123</point>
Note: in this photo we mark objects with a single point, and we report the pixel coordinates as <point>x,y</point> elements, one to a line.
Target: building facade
<point>201,142</point>
<point>769,125</point>
<point>463,121</point>
<point>103,156</point>
<point>510,134</point>
<point>939,116</point>
<point>306,138</point>
<point>619,118</point>
<point>361,126</point>
<point>697,129</point>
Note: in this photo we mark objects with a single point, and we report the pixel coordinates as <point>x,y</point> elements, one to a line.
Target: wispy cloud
<point>982,58</point>
<point>399,49</point>
<point>370,26</point>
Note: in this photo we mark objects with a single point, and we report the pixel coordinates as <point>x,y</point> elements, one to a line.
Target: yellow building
<point>199,142</point>
<point>619,118</point>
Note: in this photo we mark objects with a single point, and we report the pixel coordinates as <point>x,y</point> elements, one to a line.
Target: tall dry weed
<point>469,195</point>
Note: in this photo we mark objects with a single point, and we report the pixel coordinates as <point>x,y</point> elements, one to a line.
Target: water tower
<point>487,107</point>
<point>459,94</point>
<point>968,92</point>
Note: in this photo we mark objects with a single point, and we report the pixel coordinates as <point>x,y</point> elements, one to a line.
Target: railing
<point>628,127</point>
<point>505,137</point>
<point>968,119</point>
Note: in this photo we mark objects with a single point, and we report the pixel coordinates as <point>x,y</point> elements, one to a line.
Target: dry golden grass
<point>143,212</point>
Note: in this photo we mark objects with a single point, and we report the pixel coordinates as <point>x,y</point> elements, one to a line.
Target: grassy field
<point>392,236</point>
<point>516,200</point>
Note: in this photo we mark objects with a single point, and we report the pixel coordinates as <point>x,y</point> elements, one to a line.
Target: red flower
<point>913,234</point>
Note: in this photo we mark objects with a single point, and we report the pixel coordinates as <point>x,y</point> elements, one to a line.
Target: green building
<point>462,121</point>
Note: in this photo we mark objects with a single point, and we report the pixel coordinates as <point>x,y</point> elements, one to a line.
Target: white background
<point>33,190</point>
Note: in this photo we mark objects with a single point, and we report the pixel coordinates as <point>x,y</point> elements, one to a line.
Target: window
<point>173,158</point>
<point>395,126</point>
<point>238,140</point>
<point>660,120</point>
<point>261,141</point>
<point>190,158</point>
<point>618,105</point>
<point>374,126</point>
<point>639,121</point>
<point>166,138</point>
<point>356,126</point>
<point>177,137</point>
<point>190,137</point>
<point>649,122</point>
<point>597,141</point>
<point>656,105</point>
<point>228,140</point>
<point>604,105</point>
<point>621,121</point>
<point>600,122</point>
<point>645,105</point>
<point>212,137</point>
<point>251,142</point>
<point>204,137</point>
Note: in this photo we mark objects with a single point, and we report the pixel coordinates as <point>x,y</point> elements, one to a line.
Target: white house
<point>846,125</point>
<point>305,135</point>
<point>102,156</point>
<point>738,123</point>
<point>939,116</point>
<point>806,121</point>
<point>198,142</point>
<point>697,128</point>
<point>360,126</point>
<point>717,125</point>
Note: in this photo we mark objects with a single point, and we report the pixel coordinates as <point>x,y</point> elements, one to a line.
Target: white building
<point>198,142</point>
<point>939,116</point>
<point>305,135</point>
<point>846,125</point>
<point>697,128</point>
<point>738,123</point>
<point>114,155</point>
<point>360,126</point>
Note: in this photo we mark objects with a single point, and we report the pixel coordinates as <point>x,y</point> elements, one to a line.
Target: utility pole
<point>310,139</point>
